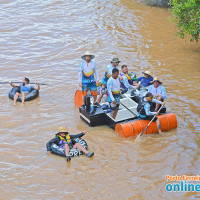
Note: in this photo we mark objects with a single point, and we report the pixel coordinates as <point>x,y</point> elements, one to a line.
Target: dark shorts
<point>150,117</point>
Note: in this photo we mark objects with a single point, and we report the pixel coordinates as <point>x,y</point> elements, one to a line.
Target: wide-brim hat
<point>87,53</point>
<point>62,129</point>
<point>156,79</point>
<point>115,60</point>
<point>147,72</point>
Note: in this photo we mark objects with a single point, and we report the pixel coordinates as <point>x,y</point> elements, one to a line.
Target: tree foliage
<point>187,16</point>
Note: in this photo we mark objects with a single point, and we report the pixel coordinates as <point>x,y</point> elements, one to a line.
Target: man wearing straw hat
<point>145,80</point>
<point>158,91</point>
<point>67,142</point>
<point>113,65</point>
<point>86,78</point>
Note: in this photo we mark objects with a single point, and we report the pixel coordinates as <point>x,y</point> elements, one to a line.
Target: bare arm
<point>38,87</point>
<point>14,85</point>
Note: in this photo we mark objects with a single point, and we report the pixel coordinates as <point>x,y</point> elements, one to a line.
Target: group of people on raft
<point>113,82</point>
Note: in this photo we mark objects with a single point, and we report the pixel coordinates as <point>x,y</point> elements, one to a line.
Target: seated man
<point>113,87</point>
<point>145,80</point>
<point>158,91</point>
<point>113,65</point>
<point>67,142</point>
<point>125,79</point>
<point>144,112</point>
<point>25,88</point>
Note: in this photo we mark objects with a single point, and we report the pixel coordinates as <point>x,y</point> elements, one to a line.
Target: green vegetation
<point>187,17</point>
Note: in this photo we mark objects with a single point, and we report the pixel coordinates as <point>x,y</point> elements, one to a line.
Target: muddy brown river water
<point>44,40</point>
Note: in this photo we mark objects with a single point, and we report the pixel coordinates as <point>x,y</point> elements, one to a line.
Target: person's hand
<point>157,113</point>
<point>48,152</point>
<point>97,83</point>
<point>114,102</point>
<point>157,95</point>
<point>80,85</point>
<point>163,103</point>
<point>10,82</point>
<point>121,78</point>
<point>37,84</point>
<point>84,132</point>
<point>137,86</point>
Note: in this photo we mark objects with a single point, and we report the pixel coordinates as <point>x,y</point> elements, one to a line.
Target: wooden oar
<point>138,137</point>
<point>22,82</point>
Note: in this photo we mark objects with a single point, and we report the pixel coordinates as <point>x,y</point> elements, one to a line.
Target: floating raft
<point>134,128</point>
<point>127,122</point>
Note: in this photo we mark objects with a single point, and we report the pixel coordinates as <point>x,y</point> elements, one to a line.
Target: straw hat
<point>87,53</point>
<point>115,60</point>
<point>62,129</point>
<point>156,79</point>
<point>147,72</point>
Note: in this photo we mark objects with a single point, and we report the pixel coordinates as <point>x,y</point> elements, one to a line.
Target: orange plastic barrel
<point>134,128</point>
<point>78,98</point>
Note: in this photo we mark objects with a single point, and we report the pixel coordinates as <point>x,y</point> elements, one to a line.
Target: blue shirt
<point>145,81</point>
<point>108,74</point>
<point>26,88</point>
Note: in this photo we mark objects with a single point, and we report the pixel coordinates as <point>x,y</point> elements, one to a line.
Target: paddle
<point>22,82</point>
<point>138,137</point>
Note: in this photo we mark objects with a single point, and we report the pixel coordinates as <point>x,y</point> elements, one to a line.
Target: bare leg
<point>15,98</point>
<point>66,150</point>
<point>23,98</point>
<point>159,125</point>
<point>99,98</point>
<point>95,98</point>
<point>115,113</point>
<point>80,147</point>
<point>157,104</point>
<point>83,99</point>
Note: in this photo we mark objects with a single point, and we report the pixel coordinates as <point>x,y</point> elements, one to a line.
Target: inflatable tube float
<point>30,96</point>
<point>134,128</point>
<point>73,152</point>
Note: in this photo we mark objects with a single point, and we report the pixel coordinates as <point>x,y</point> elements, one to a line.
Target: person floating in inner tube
<point>126,79</point>
<point>113,86</point>
<point>158,91</point>
<point>86,78</point>
<point>25,88</point>
<point>144,112</point>
<point>113,65</point>
<point>67,142</point>
<point>145,80</point>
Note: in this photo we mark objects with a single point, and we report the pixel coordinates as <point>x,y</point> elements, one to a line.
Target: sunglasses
<point>156,81</point>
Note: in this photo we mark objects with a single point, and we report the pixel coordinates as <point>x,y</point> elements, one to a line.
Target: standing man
<point>126,82</point>
<point>25,88</point>
<point>113,65</point>
<point>113,86</point>
<point>158,91</point>
<point>144,112</point>
<point>86,78</point>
